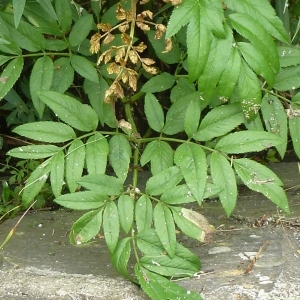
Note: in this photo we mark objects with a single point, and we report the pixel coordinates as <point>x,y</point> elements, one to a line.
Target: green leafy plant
<point>222,90</point>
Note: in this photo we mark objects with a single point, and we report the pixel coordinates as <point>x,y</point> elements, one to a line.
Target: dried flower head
<point>140,47</point>
<point>95,43</point>
<point>160,30</point>
<point>109,38</point>
<point>105,27</point>
<point>168,45</point>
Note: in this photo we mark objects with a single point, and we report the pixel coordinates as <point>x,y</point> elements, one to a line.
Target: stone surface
<point>39,262</point>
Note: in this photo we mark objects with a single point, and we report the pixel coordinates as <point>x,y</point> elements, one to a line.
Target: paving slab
<point>39,263</point>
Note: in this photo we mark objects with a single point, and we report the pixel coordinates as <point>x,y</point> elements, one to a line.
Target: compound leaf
<point>125,208</point>
<point>97,150</point>
<point>167,179</point>
<point>10,75</point>
<point>74,164</point>
<point>86,227</point>
<point>223,176</point>
<point>111,225</point>
<point>248,141</point>
<point>121,255</point>
<point>47,131</point>
<point>191,160</point>
<point>34,151</point>
<point>70,110</point>
<point>154,113</point>
<point>165,227</point>
<point>143,213</point>
<point>119,155</point>
<point>35,182</point>
<point>57,172</point>
<point>275,120</point>
<point>158,83</point>
<point>261,179</point>
<point>219,121</point>
<point>160,154</point>
<point>159,287</point>
<point>108,185</point>
<point>82,200</point>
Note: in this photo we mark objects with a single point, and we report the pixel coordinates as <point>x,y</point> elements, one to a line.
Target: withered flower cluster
<point>117,57</point>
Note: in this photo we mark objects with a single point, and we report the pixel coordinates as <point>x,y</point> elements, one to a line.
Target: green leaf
<point>121,255</point>
<point>262,12</point>
<point>119,155</point>
<point>259,37</point>
<point>108,185</point>
<point>249,92</point>
<point>96,154</point>
<point>80,30</point>
<point>4,59</point>
<point>48,131</point>
<point>223,176</point>
<point>160,154</point>
<point>40,19</point>
<point>199,39</point>
<point>180,194</point>
<point>187,227</point>
<point>165,228</point>
<point>191,160</point>
<point>40,80</point>
<point>175,118</point>
<point>257,62</point>
<point>158,83</point>
<point>247,141</point>
<point>63,75</point>
<point>84,68</point>
<point>64,14</point>
<point>27,36</point>
<point>111,225</point>
<point>10,75</point>
<point>47,6</point>
<point>35,182</point>
<point>288,56</point>
<point>230,76</point>
<point>193,224</point>
<point>86,227</point>
<point>184,88</point>
<point>294,126</point>
<point>159,45</point>
<point>167,179</point>
<point>219,121</point>
<point>74,164</point>
<point>70,110</point>
<point>211,190</point>
<point>96,94</point>
<point>143,213</point>
<point>18,6</point>
<point>125,208</point>
<point>216,63</point>
<point>149,243</point>
<point>166,266</point>
<point>56,45</point>
<point>159,287</point>
<point>288,79</point>
<point>34,151</point>
<point>275,120</point>
<point>192,117</point>
<point>82,200</point>
<point>154,113</point>
<point>57,172</point>
<point>207,13</point>
<point>261,179</point>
